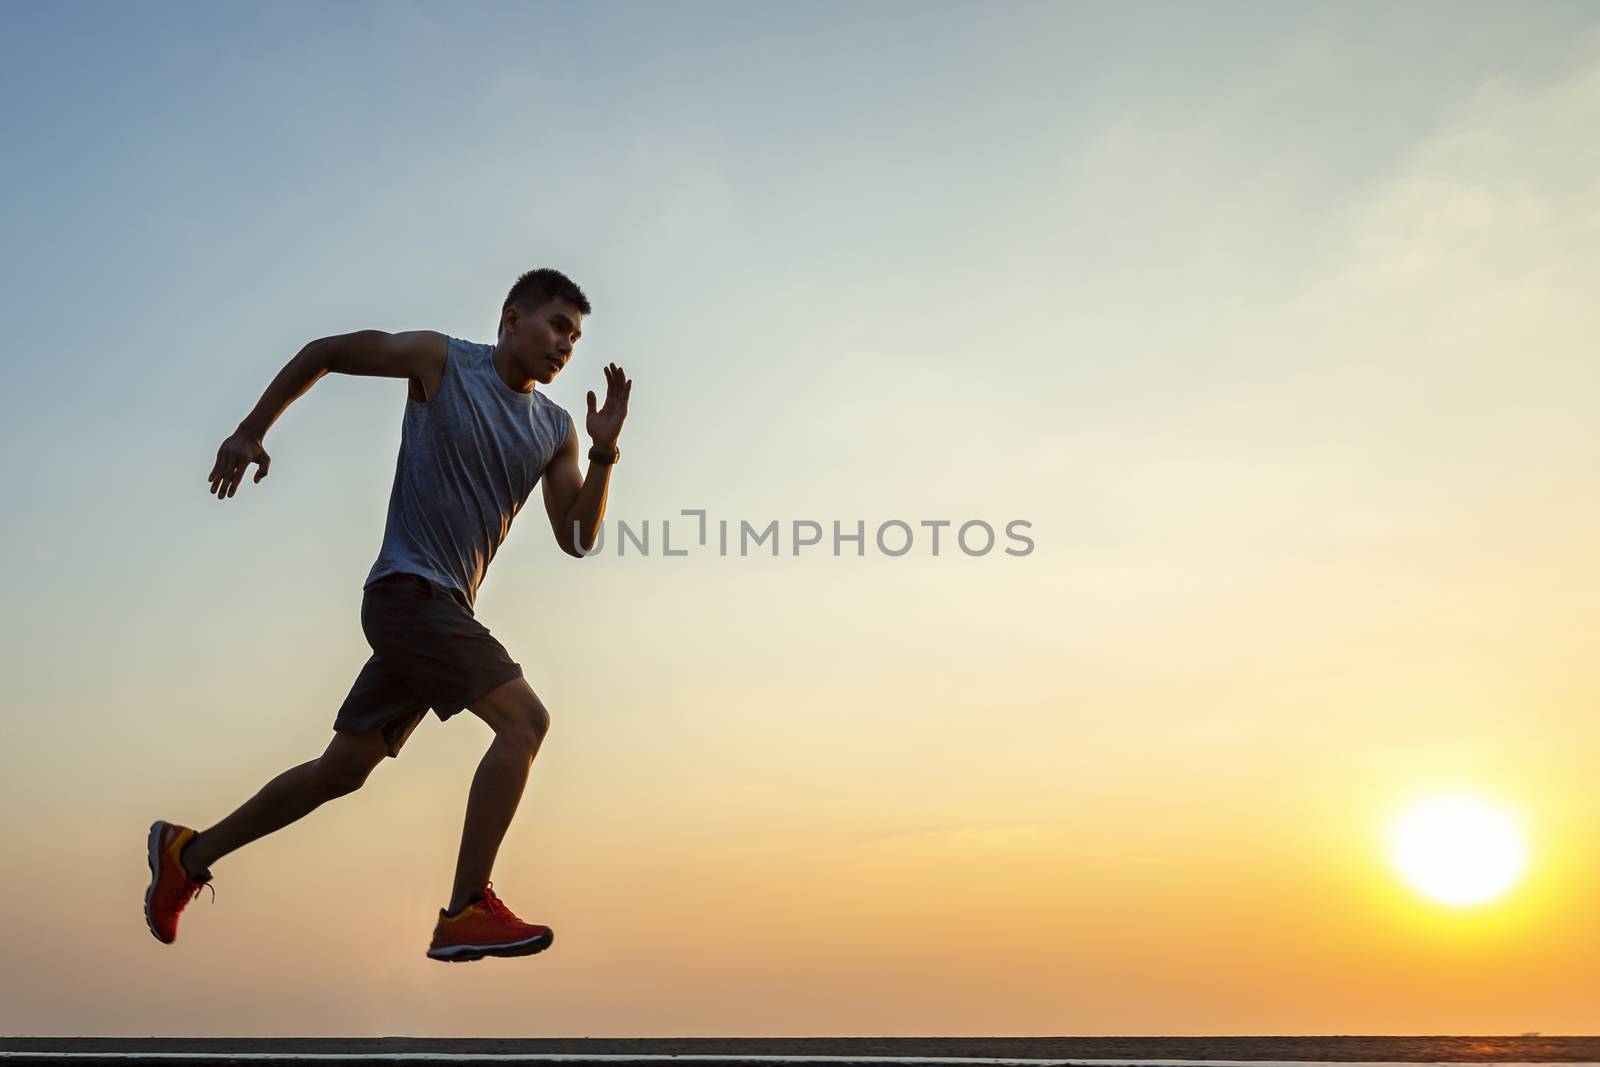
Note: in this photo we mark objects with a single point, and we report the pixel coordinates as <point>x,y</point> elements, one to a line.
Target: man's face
<point>542,340</point>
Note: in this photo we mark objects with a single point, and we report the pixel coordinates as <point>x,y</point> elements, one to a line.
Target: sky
<point>1273,323</point>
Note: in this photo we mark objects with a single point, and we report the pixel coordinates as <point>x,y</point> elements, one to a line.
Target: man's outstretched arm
<point>576,503</point>
<point>418,355</point>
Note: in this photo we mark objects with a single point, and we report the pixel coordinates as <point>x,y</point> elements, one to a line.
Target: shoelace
<point>494,904</point>
<point>195,892</point>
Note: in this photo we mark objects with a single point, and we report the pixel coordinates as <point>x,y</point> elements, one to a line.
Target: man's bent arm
<point>575,502</point>
<point>583,523</point>
<point>418,355</point>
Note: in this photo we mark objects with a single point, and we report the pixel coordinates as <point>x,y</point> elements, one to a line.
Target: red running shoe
<point>171,888</point>
<point>486,927</point>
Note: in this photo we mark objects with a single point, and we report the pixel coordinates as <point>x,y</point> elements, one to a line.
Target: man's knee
<point>340,779</point>
<point>515,712</point>
<point>527,723</point>
<point>349,759</point>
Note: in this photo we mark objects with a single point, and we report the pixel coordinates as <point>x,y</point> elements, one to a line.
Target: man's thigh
<point>427,644</point>
<point>381,702</point>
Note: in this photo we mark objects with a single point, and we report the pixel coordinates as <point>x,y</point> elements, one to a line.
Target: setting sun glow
<point>1457,850</point>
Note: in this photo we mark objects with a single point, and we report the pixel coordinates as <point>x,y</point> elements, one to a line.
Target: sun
<point>1457,850</point>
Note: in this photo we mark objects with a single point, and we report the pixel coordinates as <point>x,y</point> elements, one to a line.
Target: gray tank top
<point>469,459</point>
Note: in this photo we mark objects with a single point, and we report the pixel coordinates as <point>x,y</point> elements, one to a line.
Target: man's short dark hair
<point>538,287</point>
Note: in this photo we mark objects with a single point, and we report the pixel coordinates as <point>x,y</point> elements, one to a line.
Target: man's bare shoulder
<point>417,355</point>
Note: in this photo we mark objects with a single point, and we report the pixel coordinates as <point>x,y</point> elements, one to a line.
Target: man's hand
<point>235,455</point>
<point>605,425</point>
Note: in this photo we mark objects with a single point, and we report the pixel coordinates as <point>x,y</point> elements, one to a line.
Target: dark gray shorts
<point>428,652</point>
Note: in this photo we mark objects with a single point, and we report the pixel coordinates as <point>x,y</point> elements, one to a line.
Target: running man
<point>476,437</point>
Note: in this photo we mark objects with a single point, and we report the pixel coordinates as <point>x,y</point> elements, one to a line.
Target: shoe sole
<point>468,953</point>
<point>155,860</point>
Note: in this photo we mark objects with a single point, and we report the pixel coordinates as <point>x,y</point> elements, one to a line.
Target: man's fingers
<point>591,401</point>
<point>222,472</point>
<point>261,467</point>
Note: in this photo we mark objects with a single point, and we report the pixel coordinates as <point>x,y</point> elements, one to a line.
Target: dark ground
<point>687,1049</point>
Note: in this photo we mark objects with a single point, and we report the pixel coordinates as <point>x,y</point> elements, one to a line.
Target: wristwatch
<point>605,455</point>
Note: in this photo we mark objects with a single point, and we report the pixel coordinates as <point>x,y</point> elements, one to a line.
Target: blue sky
<point>1272,320</point>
